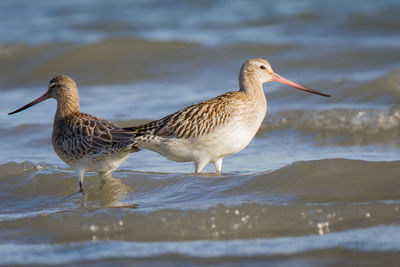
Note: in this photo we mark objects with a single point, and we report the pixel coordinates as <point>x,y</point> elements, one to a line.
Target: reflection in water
<point>109,193</point>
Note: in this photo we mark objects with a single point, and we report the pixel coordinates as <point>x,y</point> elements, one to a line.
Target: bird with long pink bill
<point>216,128</point>
<point>84,142</point>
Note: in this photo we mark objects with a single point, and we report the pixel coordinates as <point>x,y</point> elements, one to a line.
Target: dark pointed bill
<point>280,79</point>
<point>34,102</point>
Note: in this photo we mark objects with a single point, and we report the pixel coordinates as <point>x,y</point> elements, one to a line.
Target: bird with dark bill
<point>84,142</point>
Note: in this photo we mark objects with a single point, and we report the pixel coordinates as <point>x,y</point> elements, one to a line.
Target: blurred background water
<point>319,184</point>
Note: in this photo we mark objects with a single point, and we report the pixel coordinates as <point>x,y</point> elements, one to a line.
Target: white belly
<point>222,142</point>
<point>99,163</point>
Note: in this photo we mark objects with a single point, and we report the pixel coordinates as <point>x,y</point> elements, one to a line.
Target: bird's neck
<point>251,86</point>
<point>67,105</point>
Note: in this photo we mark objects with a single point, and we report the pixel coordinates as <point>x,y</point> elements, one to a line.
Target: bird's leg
<point>218,165</point>
<point>199,165</point>
<point>80,174</point>
<point>80,187</point>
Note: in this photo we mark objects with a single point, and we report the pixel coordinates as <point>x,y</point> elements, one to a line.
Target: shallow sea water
<point>318,185</point>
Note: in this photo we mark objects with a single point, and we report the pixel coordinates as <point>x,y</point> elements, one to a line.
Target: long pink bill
<point>280,79</point>
<point>34,102</point>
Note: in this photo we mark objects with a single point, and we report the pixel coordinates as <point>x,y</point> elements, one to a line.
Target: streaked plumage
<point>83,141</point>
<point>192,122</point>
<point>211,130</point>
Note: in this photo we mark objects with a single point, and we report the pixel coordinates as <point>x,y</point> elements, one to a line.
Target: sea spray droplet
<point>94,228</point>
<point>323,228</point>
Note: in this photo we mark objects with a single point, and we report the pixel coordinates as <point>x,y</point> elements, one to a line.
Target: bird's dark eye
<point>262,67</point>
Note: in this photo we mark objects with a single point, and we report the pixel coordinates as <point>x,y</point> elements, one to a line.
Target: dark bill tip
<point>34,102</point>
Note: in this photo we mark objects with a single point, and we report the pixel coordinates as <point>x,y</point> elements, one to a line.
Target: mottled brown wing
<point>194,121</point>
<point>86,134</point>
